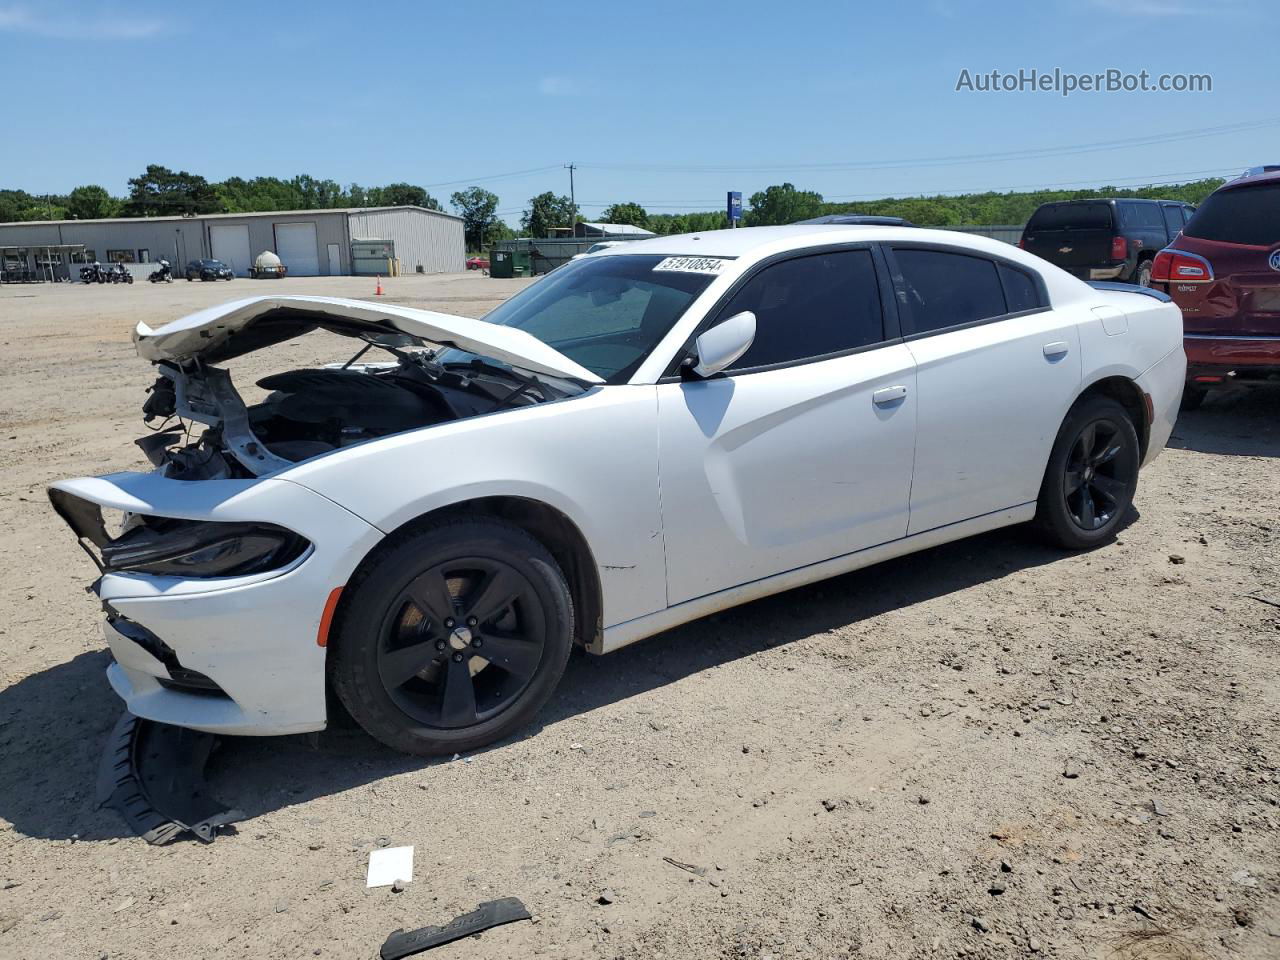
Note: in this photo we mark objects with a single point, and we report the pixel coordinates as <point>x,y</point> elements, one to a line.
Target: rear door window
<point>940,289</point>
<point>810,307</point>
<point>1248,215</point>
<point>1172,220</point>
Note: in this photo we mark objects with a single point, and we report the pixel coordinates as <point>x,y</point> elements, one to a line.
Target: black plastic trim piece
<point>1130,288</point>
<point>152,774</point>
<point>405,943</point>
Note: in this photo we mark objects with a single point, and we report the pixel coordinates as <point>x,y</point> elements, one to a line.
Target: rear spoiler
<point>1111,285</point>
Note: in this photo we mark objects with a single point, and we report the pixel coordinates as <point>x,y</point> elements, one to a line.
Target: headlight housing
<point>193,548</point>
<point>164,546</point>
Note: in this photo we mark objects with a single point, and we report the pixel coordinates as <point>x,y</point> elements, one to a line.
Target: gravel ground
<point>990,749</point>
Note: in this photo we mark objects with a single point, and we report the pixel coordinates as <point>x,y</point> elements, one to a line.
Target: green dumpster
<point>510,263</point>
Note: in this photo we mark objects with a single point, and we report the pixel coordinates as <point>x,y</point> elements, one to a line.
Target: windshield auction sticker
<point>708,265</point>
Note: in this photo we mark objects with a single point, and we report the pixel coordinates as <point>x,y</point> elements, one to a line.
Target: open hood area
<point>242,326</point>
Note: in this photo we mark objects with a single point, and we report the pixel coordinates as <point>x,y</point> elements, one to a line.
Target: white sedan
<point>648,435</point>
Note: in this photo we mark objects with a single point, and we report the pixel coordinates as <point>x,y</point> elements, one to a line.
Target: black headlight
<point>193,548</point>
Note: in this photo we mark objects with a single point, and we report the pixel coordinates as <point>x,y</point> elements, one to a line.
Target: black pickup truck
<point>1105,238</point>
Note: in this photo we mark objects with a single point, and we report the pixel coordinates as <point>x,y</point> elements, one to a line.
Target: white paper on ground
<point>390,864</point>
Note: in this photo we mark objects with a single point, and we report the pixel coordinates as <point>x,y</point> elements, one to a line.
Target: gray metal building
<point>309,242</point>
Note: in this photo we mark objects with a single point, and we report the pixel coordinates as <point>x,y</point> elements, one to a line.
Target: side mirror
<point>724,343</point>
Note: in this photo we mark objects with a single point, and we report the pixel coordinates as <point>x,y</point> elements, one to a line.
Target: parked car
<point>649,435</point>
<point>209,270</point>
<point>860,219</point>
<point>1224,272</point>
<point>597,247</point>
<point>1103,238</point>
<point>477,263</point>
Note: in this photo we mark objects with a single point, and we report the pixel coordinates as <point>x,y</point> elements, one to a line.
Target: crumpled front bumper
<point>254,637</point>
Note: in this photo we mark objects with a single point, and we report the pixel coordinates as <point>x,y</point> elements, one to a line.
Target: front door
<point>802,450</point>
<point>335,260</point>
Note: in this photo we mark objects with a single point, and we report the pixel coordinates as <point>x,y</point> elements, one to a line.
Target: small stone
<point>315,846</point>
<point>1159,809</point>
<point>1066,913</point>
<point>1071,769</point>
<point>829,805</point>
<point>51,915</point>
<point>282,906</point>
<point>746,748</point>
<point>646,814</point>
<point>1033,944</point>
<point>981,925</point>
<point>397,886</point>
<point>1006,866</point>
<point>923,799</point>
<point>606,897</point>
<point>1177,558</point>
<point>996,889</point>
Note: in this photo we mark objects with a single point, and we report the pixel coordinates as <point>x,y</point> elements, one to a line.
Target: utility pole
<point>573,203</point>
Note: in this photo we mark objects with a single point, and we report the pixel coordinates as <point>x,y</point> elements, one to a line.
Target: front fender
<point>593,458</point>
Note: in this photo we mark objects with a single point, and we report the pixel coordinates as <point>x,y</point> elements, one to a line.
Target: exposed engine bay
<point>312,411</point>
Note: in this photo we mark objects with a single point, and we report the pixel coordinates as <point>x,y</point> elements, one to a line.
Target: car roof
<point>1251,176</point>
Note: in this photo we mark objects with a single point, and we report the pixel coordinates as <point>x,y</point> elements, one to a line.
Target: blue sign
<point>735,206</point>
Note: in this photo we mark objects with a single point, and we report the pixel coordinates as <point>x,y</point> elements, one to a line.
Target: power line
<point>959,159</point>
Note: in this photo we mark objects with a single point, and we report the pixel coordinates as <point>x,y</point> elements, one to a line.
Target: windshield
<point>1068,216</point>
<point>606,313</point>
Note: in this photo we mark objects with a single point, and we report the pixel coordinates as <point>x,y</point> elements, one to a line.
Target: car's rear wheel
<point>453,638</point>
<point>1091,477</point>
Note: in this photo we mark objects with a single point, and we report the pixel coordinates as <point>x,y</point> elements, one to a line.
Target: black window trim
<point>909,332</point>
<point>888,311</point>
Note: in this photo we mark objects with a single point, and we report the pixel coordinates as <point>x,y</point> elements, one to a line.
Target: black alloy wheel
<point>1091,476</point>
<point>461,642</point>
<point>452,636</point>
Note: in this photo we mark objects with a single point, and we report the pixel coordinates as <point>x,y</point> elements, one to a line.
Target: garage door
<point>296,247</point>
<point>231,245</point>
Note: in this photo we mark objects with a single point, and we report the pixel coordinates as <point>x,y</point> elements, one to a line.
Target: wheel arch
<point>1129,395</point>
<point>562,537</point>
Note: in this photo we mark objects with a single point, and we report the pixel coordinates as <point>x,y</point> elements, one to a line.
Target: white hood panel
<point>212,327</point>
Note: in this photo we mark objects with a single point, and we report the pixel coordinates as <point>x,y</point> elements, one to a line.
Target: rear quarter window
<point>1140,216</point>
<point>1247,215</point>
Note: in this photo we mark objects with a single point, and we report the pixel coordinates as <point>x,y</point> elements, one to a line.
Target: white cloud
<point>72,23</point>
<point>557,87</point>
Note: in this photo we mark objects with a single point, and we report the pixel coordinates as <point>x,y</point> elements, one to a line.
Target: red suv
<point>1223,270</point>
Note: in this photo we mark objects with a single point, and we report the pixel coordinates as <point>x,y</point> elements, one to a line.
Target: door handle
<point>887,395</point>
<point>1056,349</point>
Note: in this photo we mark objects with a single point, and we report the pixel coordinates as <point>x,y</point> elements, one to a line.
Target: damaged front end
<point>315,410</point>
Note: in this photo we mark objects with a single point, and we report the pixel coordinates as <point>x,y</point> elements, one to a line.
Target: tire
<point>424,603</point>
<point>1091,476</point>
<point>1142,276</point>
<point>1192,398</point>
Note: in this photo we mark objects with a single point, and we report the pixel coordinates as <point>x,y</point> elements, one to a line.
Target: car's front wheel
<point>1092,475</point>
<point>453,638</point>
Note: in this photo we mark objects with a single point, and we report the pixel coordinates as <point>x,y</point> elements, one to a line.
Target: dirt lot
<point>870,767</point>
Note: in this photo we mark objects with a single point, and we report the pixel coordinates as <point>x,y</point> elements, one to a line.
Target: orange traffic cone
<point>378,292</point>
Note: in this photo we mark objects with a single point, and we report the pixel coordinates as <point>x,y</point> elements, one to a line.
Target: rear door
<point>996,369</point>
<point>801,451</point>
<point>1172,219</point>
<point>1076,236</point>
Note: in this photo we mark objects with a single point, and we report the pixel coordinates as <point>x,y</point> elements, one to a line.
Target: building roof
<point>618,229</point>
<point>231,216</point>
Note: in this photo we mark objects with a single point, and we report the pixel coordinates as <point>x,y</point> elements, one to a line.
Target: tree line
<point>160,191</point>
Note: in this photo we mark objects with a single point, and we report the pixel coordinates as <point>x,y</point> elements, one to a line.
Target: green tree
<point>91,202</point>
<point>162,192</point>
<point>546,210</point>
<point>405,194</point>
<point>631,213</point>
<point>783,203</point>
<point>477,206</point>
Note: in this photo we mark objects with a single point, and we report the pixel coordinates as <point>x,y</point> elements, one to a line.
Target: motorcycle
<point>93,273</point>
<point>163,275</point>
<point>121,275</point>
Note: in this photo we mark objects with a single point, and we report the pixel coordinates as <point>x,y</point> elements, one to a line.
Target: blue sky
<point>667,103</point>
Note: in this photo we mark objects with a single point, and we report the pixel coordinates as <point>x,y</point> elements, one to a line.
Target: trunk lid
<point>242,326</point>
